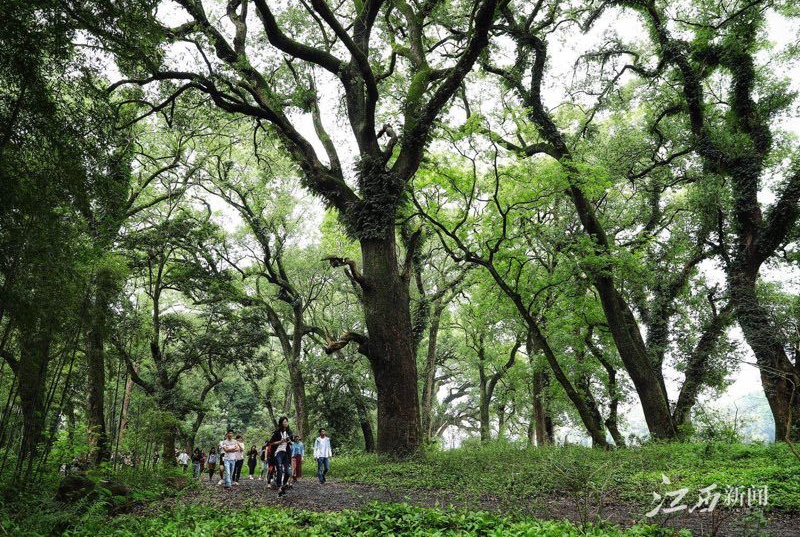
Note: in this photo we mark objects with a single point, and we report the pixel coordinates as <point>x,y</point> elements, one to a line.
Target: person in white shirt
<point>183,459</point>
<point>322,454</point>
<point>230,448</point>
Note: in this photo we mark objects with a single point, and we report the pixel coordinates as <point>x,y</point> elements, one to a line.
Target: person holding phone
<point>252,459</point>
<point>282,442</point>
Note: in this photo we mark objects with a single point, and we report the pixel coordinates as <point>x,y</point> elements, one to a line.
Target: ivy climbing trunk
<point>391,351</point>
<point>486,432</point>
<point>168,453</point>
<point>543,423</point>
<point>779,377</point>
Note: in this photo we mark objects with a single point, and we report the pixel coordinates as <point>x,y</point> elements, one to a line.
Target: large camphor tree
<point>396,63</point>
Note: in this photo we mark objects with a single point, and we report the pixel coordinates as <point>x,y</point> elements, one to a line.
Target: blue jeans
<point>196,469</point>
<point>283,467</point>
<point>323,466</point>
<point>230,465</point>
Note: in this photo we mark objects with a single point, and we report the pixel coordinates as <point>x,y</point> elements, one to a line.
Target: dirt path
<point>308,493</point>
<point>337,495</point>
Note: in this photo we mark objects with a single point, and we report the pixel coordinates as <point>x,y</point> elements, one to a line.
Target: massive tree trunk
<point>168,451</point>
<point>630,345</point>
<point>390,347</point>
<point>95,364</point>
<point>31,375</point>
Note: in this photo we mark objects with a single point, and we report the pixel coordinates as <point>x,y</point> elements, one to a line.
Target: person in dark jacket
<point>197,462</point>
<point>282,443</point>
<point>252,460</point>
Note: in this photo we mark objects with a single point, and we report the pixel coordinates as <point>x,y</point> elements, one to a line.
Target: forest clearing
<point>337,267</point>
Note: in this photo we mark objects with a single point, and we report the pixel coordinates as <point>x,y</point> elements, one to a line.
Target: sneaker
<point>251,478</point>
<point>220,482</point>
<point>236,483</point>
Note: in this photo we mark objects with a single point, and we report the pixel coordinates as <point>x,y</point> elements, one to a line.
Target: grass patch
<point>520,477</point>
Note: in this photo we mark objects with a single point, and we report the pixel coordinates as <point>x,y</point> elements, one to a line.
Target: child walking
<point>211,463</point>
<point>298,451</point>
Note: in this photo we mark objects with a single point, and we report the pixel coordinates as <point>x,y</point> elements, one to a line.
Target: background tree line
<point>378,217</point>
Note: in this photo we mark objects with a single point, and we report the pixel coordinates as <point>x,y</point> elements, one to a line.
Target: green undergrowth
<point>375,519</point>
<point>31,508</point>
<point>518,478</point>
<point>516,482</point>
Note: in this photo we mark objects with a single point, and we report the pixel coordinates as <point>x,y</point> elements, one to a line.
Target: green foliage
<point>36,512</point>
<point>376,519</point>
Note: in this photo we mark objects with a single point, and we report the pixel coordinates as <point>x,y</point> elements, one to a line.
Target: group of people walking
<point>281,458</point>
